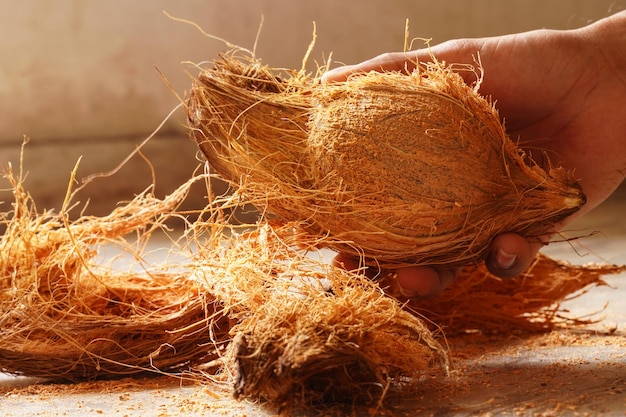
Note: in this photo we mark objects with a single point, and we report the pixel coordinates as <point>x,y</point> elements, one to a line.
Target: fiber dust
<point>488,379</point>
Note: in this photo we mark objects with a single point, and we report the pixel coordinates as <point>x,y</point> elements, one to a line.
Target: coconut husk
<point>246,101</point>
<point>249,309</point>
<point>396,168</point>
<point>65,315</point>
<point>308,333</point>
<point>423,171</point>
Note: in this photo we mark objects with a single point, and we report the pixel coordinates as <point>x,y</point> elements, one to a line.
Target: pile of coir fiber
<point>65,314</point>
<point>308,333</point>
<point>254,310</point>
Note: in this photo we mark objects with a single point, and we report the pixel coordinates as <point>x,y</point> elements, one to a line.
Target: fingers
<point>459,51</point>
<point>414,281</point>
<point>393,61</point>
<point>510,255</point>
<point>350,263</point>
<point>338,74</point>
<point>423,281</point>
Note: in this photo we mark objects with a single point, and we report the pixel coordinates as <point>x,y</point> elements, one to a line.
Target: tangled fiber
<point>308,333</point>
<point>65,316</point>
<point>257,309</point>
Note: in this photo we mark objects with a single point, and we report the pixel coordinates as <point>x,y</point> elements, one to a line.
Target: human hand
<point>561,94</point>
<point>509,256</point>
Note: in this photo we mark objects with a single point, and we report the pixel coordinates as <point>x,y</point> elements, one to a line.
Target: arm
<point>561,93</point>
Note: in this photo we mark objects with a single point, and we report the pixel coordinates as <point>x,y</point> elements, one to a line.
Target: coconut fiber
<point>256,306</point>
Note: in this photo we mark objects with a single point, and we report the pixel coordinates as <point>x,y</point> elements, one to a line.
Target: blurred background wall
<point>79,78</point>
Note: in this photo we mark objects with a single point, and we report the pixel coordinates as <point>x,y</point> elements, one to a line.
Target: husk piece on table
<point>64,316</point>
<point>308,333</point>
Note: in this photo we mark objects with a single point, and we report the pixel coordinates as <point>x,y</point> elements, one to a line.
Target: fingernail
<point>408,293</point>
<point>505,259</point>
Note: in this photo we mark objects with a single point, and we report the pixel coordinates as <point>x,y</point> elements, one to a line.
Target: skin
<point>562,94</point>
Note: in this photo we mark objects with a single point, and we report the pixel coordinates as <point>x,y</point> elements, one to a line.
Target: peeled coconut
<point>397,168</point>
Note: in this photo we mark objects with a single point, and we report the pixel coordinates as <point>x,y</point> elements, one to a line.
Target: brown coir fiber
<point>255,310</point>
<point>308,333</point>
<point>65,315</point>
<point>398,168</point>
<point>530,302</point>
<point>234,109</point>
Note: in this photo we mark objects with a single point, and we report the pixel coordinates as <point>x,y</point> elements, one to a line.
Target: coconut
<point>398,168</point>
<point>422,170</point>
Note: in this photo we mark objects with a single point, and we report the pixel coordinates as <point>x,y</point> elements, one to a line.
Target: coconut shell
<point>400,169</point>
